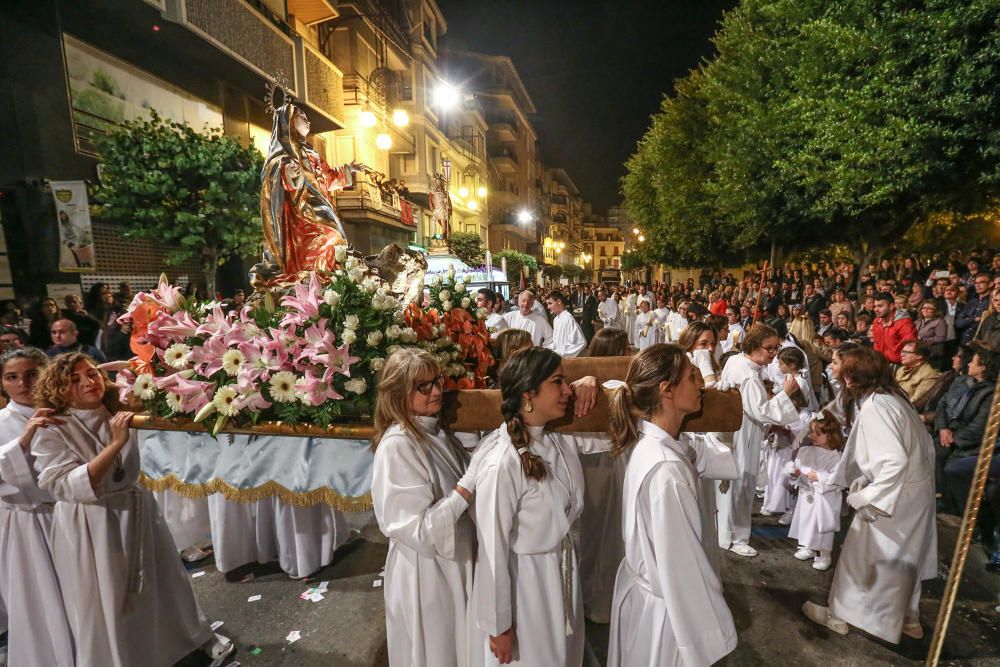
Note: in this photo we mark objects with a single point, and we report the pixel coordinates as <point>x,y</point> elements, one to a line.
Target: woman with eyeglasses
<point>760,412</point>
<point>527,599</point>
<point>421,489</point>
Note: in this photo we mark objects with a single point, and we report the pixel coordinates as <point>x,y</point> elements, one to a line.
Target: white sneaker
<point>741,549</point>
<point>805,554</point>
<point>218,648</point>
<point>764,512</point>
<point>822,563</point>
<point>786,519</point>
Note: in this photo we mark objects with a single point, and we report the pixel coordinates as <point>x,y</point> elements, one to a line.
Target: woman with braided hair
<point>529,491</point>
<point>668,607</point>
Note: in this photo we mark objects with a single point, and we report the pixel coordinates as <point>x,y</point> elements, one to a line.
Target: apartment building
<point>603,245</point>
<point>563,233</point>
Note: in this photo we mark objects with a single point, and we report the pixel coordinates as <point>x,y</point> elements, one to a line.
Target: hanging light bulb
<point>400,118</point>
<point>383,141</point>
<point>463,192</point>
<point>481,191</point>
<point>368,119</point>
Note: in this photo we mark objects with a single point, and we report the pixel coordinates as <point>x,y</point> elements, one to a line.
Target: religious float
<point>274,399</point>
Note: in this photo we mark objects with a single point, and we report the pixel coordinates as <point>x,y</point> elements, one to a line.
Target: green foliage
<point>822,123</point>
<point>552,272</point>
<point>634,260</point>
<point>572,271</point>
<point>468,247</point>
<point>197,195</point>
<point>515,260</point>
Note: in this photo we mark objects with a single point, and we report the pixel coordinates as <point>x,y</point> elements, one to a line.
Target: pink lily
<point>241,332</point>
<point>207,357</point>
<point>255,402</point>
<point>179,326</point>
<point>305,304</point>
<point>195,394</point>
<point>124,381</point>
<point>216,323</point>
<point>337,359</point>
<point>317,335</point>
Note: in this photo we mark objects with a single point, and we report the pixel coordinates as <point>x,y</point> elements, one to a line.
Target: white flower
<point>434,280</point>
<point>225,401</point>
<point>178,356</point>
<point>374,338</point>
<point>393,332</point>
<point>144,387</point>
<point>232,362</point>
<point>455,369</point>
<point>481,313</point>
<point>351,322</point>
<point>331,297</point>
<point>393,349</point>
<point>349,336</point>
<point>451,272</point>
<point>446,305</point>
<point>444,295</point>
<point>351,263</point>
<point>370,284</point>
<point>356,274</point>
<point>283,386</point>
<point>174,401</point>
<point>356,385</point>
<point>465,302</point>
<point>444,358</point>
<point>376,364</point>
<point>408,335</point>
<point>340,253</point>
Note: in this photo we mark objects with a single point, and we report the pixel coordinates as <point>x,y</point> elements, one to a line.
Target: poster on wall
<point>76,238</point>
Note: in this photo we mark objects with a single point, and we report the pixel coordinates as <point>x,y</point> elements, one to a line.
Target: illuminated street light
<point>383,141</point>
<point>400,118</point>
<point>368,119</point>
<point>635,231</point>
<point>524,216</point>
<point>473,204</point>
<point>446,96</point>
<point>463,192</point>
<point>481,191</point>
<point>641,238</point>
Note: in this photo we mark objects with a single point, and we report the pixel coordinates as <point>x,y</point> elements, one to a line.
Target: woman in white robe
<point>527,606</point>
<point>420,498</point>
<point>662,314</point>
<point>645,327</point>
<point>668,607</point>
<point>892,542</point>
<point>38,632</point>
<point>609,311</point>
<point>128,598</point>
<point>760,411</point>
<point>629,313</point>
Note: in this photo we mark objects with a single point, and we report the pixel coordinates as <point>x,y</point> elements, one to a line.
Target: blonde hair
<point>802,328</point>
<point>397,381</point>
<point>50,390</point>
<point>510,341</point>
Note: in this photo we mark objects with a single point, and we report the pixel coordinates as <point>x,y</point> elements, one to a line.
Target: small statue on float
<point>440,204</point>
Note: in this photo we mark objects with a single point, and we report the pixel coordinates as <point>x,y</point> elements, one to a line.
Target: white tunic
<point>759,412</point>
<point>675,327</point>
<point>428,571</point>
<point>736,334</point>
<point>535,324</point>
<point>817,514</point>
<point>645,330</point>
<point>607,310</point>
<point>662,322</point>
<point>668,607</point>
<point>495,323</point>
<point>127,595</point>
<point>38,632</point>
<point>526,570</point>
<point>877,581</point>
<point>631,308</point>
<point>567,337</point>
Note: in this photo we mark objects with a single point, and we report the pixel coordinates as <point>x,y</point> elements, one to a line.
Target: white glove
<point>468,480</point>
<point>703,360</point>
<point>858,484</point>
<point>857,500</point>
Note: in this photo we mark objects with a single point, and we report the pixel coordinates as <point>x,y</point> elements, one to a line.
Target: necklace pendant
<point>118,475</point>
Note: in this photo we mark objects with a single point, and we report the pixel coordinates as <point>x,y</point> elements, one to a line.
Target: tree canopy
<point>817,122</point>
<point>197,194</point>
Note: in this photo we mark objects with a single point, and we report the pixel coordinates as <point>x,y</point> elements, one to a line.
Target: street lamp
<point>481,192</point>
<point>383,141</point>
<point>400,118</point>
<point>446,96</point>
<point>524,216</point>
<point>368,119</point>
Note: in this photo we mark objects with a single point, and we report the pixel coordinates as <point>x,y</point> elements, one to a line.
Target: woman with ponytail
<point>529,493</point>
<point>421,487</point>
<point>668,607</point>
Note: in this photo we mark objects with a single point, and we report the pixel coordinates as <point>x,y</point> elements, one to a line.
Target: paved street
<point>347,627</point>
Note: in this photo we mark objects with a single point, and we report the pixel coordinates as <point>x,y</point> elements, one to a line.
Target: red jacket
<point>888,339</point>
<point>719,307</point>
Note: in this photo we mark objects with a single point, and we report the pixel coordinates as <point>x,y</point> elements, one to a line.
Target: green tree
<point>572,272</point>
<point>516,260</point>
<point>634,260</point>
<point>467,246</point>
<point>197,195</point>
<point>553,272</point>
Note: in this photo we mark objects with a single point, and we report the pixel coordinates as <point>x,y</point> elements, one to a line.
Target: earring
<point>528,407</point>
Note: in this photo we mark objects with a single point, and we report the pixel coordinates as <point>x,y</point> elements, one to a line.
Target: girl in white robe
<point>38,632</point>
<point>420,498</point>
<point>645,327</point>
<point>662,314</point>
<point>816,519</point>
<point>527,606</point>
<point>891,545</point>
<point>128,598</point>
<point>760,411</point>
<point>668,608</point>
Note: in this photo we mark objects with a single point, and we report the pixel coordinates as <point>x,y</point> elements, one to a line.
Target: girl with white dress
<point>816,519</point>
<point>420,498</point>
<point>128,598</point>
<point>645,327</point>
<point>891,545</point>
<point>527,606</point>
<point>39,633</point>
<point>668,607</point>
<point>662,314</point>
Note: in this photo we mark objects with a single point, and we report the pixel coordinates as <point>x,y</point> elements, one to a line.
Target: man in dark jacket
<point>813,302</point>
<point>967,319</point>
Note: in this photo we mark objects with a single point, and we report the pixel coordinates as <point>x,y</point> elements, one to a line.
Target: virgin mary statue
<point>301,226</point>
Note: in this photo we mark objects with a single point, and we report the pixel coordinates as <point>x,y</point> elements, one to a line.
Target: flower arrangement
<point>309,353</point>
<point>465,324</point>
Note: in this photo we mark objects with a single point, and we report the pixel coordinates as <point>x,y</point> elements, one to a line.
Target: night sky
<point>595,70</point>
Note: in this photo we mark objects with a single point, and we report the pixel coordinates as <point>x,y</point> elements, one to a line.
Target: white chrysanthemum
<point>374,338</point>
<point>352,322</point>
<point>444,295</point>
<point>331,297</point>
<point>370,284</point>
<point>232,362</point>
<point>356,274</point>
<point>465,302</point>
<point>393,332</point>
<point>349,336</point>
<point>351,263</point>
<point>408,335</point>
<point>225,401</point>
<point>446,306</point>
<point>377,363</point>
<point>175,402</point>
<point>178,356</point>
<point>144,387</point>
<point>356,385</point>
<point>283,386</point>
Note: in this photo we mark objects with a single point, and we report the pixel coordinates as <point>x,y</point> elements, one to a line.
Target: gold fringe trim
<point>269,490</point>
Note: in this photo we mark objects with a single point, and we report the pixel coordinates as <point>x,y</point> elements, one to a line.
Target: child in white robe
<point>421,489</point>
<point>645,326</point>
<point>817,514</point>
<point>662,314</point>
<point>127,595</point>
<point>39,634</point>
